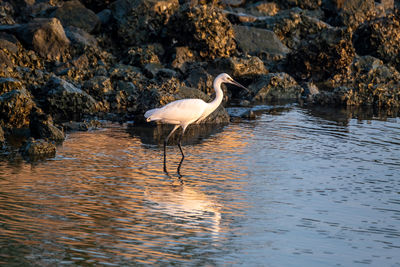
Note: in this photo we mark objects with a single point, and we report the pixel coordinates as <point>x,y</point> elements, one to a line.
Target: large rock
<point>2,139</point>
<point>42,127</point>
<point>46,37</point>
<point>369,83</point>
<point>322,55</point>
<point>206,30</point>
<point>64,101</point>
<point>6,13</point>
<point>379,38</point>
<point>38,149</point>
<point>275,87</point>
<point>255,41</point>
<point>350,13</point>
<point>15,107</point>
<point>73,13</point>
<point>142,21</point>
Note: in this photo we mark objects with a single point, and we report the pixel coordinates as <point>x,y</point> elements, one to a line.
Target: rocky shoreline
<point>66,64</point>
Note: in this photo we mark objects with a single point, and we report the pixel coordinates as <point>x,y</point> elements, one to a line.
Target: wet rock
<point>201,80</point>
<point>9,84</point>
<point>275,87</point>
<point>206,30</point>
<point>73,13</point>
<point>38,149</point>
<point>369,83</point>
<point>66,102</point>
<point>322,55</point>
<point>350,13</point>
<point>42,126</point>
<point>46,37</point>
<point>2,139</point>
<point>142,21</point>
<point>379,38</point>
<point>233,3</point>
<point>96,5</point>
<point>104,16</point>
<point>82,125</point>
<point>15,107</point>
<point>251,40</point>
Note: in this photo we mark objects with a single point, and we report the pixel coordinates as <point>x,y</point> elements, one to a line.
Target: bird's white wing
<point>183,111</point>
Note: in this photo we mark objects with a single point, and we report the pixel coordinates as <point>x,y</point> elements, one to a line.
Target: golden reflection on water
<point>105,198</point>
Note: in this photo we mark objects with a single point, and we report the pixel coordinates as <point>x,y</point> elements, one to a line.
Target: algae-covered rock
<point>142,21</point>
<point>9,84</point>
<point>203,28</point>
<point>2,139</point>
<point>251,66</point>
<point>42,127</point>
<point>379,38</point>
<point>38,149</point>
<point>322,55</point>
<point>64,101</point>
<point>275,87</point>
<point>15,107</point>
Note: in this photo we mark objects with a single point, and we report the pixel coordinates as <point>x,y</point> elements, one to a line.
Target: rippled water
<point>295,187</point>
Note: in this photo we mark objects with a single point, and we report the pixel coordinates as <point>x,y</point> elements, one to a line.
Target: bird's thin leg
<point>179,143</point>
<point>165,147</point>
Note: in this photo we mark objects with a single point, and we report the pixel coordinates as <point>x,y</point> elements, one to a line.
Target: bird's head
<point>225,78</point>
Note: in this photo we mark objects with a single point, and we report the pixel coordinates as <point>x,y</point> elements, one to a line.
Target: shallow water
<point>295,187</point>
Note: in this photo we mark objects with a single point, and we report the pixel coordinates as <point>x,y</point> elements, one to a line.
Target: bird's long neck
<point>218,94</point>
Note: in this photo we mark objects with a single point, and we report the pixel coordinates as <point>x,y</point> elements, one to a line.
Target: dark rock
<point>42,127</point>
<point>46,37</point>
<point>6,13</point>
<point>322,55</point>
<point>2,139</point>
<point>233,3</point>
<point>146,54</point>
<point>248,67</point>
<point>98,86</point>
<point>350,13</point>
<point>369,83</point>
<point>104,16</point>
<point>15,107</point>
<point>67,102</point>
<point>181,57</point>
<point>9,42</point>
<point>81,125</point>
<point>275,87</point>
<point>9,84</point>
<point>379,38</point>
<point>96,5</point>
<point>80,36</point>
<point>142,21</point>
<point>73,13</point>
<point>38,149</point>
<point>201,80</point>
<point>252,41</point>
<point>206,30</point>
<point>303,4</point>
<point>291,26</point>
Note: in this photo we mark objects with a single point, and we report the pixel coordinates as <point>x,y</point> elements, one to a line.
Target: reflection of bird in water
<point>186,111</point>
<point>186,203</point>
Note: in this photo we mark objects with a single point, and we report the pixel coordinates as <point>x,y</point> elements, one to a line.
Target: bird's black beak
<point>241,86</point>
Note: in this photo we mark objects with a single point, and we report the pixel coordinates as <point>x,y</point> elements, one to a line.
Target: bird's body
<point>187,111</point>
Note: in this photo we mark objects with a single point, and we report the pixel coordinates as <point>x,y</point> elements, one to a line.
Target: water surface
<point>295,187</point>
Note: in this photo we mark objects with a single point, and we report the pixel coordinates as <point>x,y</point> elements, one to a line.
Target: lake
<point>293,187</point>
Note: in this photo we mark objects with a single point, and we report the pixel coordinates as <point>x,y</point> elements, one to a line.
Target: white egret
<point>183,112</point>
